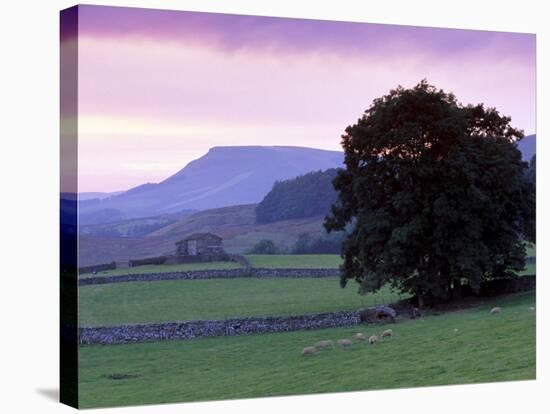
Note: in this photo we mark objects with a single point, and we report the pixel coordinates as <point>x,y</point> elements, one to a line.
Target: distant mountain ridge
<point>528,147</point>
<point>225,176</point>
<point>95,194</point>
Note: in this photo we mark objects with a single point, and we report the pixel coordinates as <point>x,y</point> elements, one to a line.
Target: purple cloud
<point>233,33</point>
<point>159,88</point>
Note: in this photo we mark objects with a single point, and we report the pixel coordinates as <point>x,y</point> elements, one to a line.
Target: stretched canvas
<point>257,206</point>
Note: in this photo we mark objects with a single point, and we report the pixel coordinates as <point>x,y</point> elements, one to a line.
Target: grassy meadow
<point>466,346</point>
<point>531,249</point>
<point>530,269</point>
<point>299,261</point>
<point>257,260</point>
<point>180,300</point>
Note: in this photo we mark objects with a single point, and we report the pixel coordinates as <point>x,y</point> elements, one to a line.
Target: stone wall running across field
<point>258,325</point>
<point>97,268</point>
<point>211,274</point>
<point>229,327</point>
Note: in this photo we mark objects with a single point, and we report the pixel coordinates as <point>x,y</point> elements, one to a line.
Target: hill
<point>307,195</point>
<point>93,195</point>
<point>236,225</point>
<point>131,227</point>
<point>225,176</point>
<point>528,147</point>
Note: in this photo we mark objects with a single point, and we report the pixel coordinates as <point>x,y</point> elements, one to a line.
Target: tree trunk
<point>457,290</point>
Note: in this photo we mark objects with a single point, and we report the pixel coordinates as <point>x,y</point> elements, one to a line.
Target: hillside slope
<point>225,176</point>
<point>307,195</point>
<point>236,225</point>
<point>528,147</point>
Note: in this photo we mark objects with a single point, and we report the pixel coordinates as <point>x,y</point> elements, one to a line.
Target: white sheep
<point>532,308</point>
<point>324,344</point>
<point>360,337</point>
<point>308,350</point>
<point>387,333</point>
<point>373,339</point>
<point>495,311</point>
<point>344,342</point>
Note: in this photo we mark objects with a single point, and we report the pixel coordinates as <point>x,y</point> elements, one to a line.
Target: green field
<point>422,352</point>
<point>530,269</point>
<point>166,268</point>
<point>329,261</point>
<point>181,300</point>
<point>531,249</point>
<point>298,261</point>
<point>281,261</point>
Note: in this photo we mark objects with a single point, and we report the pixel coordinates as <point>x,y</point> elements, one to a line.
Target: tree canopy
<point>437,192</point>
<point>265,246</point>
<point>322,244</point>
<point>307,195</point>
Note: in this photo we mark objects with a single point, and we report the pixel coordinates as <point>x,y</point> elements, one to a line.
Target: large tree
<point>436,192</point>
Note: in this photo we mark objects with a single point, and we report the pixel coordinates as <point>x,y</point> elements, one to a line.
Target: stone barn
<point>200,244</point>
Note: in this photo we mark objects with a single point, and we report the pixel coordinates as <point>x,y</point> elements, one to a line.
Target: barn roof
<point>196,236</point>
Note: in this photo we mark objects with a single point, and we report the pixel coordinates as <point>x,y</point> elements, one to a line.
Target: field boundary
<point>147,332</point>
<point>228,327</point>
<point>255,272</point>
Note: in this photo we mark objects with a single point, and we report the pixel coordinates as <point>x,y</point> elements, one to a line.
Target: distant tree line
<point>325,244</point>
<point>307,195</point>
<point>305,244</point>
<point>265,246</point>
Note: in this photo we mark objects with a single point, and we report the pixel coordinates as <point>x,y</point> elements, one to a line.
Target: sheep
<point>324,344</point>
<point>532,308</point>
<point>373,339</point>
<point>360,337</point>
<point>387,332</point>
<point>495,311</point>
<point>344,342</point>
<point>308,350</point>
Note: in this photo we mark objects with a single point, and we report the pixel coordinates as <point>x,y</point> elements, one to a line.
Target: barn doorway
<point>192,247</point>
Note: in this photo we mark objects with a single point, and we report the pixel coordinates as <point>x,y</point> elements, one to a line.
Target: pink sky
<point>157,89</point>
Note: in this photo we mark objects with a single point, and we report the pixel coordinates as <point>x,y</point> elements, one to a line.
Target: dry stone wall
<point>98,268</point>
<point>258,325</point>
<point>211,274</point>
<point>229,327</point>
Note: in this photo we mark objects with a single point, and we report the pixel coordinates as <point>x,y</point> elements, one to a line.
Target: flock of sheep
<point>373,339</point>
<point>345,343</point>
<point>496,310</point>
